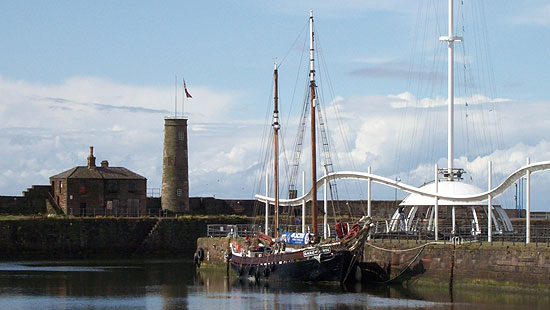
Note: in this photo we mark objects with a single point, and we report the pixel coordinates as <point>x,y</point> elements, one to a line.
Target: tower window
<point>179,192</point>
<point>181,135</point>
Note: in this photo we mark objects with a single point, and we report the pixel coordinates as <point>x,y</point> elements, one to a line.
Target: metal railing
<point>153,192</point>
<point>540,235</point>
<point>540,215</point>
<point>224,230</point>
<point>232,230</point>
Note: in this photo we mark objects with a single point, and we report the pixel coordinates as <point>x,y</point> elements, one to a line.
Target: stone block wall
<point>13,205</point>
<point>179,236</point>
<point>72,237</point>
<point>464,264</point>
<point>33,201</point>
<point>84,237</point>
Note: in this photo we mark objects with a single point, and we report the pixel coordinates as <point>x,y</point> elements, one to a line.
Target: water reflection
<point>289,295</point>
<point>177,285</point>
<point>94,285</point>
<point>236,293</point>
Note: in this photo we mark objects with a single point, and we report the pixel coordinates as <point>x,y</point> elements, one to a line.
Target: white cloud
<point>45,130</point>
<point>533,15</point>
<point>401,135</point>
<point>506,161</point>
<point>407,99</point>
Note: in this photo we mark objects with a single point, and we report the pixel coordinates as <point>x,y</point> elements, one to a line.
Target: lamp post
<point>516,200</point>
<point>397,180</point>
<point>520,195</point>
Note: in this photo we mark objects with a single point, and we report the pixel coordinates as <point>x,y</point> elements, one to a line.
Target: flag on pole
<point>187,94</point>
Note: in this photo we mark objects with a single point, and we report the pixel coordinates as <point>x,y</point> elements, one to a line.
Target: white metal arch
<point>526,170</point>
<point>495,192</point>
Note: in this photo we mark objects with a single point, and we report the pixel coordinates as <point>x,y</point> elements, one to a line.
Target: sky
<point>75,74</point>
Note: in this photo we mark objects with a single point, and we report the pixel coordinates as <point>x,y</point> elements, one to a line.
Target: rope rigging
<point>422,121</point>
<point>290,164</point>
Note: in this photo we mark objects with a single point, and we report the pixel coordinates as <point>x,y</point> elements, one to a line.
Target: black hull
<point>334,268</point>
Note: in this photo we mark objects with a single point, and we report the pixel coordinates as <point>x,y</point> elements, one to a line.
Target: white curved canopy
<point>466,197</point>
<point>445,189</point>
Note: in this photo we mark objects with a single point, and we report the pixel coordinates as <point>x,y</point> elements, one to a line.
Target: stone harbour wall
<point>72,237</point>
<point>461,264</point>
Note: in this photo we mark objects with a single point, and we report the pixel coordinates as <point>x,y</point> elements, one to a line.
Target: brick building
<point>94,190</point>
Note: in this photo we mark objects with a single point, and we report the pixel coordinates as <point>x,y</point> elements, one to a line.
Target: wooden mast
<point>276,127</point>
<point>313,145</point>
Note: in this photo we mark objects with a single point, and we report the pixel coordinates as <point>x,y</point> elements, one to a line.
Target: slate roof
<point>82,172</point>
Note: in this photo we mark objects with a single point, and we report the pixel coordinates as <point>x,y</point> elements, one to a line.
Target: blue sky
<point>74,74</point>
<point>145,43</point>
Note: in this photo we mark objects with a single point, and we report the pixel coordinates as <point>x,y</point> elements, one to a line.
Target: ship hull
<point>333,266</point>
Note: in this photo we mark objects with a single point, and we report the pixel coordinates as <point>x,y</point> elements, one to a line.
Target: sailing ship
<point>266,257</point>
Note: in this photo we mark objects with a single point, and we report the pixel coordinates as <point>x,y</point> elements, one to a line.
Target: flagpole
<point>183,99</point>
<point>176,97</point>
<point>185,94</point>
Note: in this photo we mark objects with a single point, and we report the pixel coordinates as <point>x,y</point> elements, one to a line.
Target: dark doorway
<point>82,209</point>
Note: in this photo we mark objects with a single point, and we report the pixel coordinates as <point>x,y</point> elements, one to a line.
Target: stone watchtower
<point>175,168</point>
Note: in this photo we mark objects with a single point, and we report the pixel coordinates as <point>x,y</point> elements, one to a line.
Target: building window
<point>181,135</point>
<point>132,186</point>
<point>82,187</point>
<point>112,186</point>
<point>179,192</point>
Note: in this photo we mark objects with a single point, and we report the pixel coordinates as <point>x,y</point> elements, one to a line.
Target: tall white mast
<point>450,89</point>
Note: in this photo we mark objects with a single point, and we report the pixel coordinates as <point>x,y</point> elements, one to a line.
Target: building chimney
<point>104,164</point>
<point>91,158</point>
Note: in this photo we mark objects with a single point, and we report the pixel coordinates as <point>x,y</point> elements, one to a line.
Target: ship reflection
<point>303,295</point>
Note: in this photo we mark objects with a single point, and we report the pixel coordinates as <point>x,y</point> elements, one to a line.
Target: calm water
<point>176,285</point>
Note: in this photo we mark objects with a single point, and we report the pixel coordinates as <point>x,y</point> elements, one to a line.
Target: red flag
<point>187,94</point>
